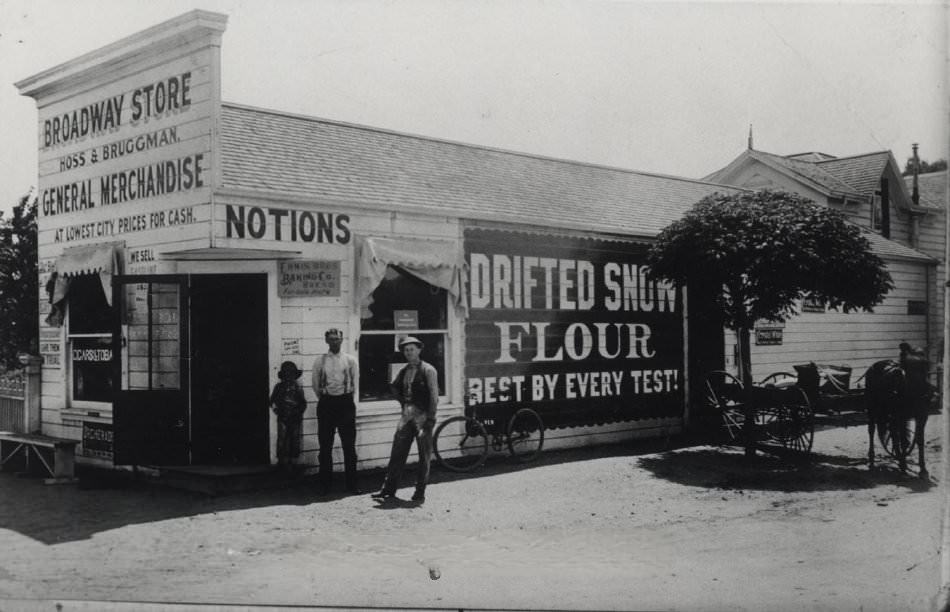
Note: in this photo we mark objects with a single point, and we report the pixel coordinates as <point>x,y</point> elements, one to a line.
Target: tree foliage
<point>768,250</point>
<point>19,290</point>
<point>925,167</point>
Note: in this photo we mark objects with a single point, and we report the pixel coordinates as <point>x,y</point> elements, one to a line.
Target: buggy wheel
<point>723,397</point>
<point>460,444</point>
<point>797,420</point>
<point>898,446</point>
<point>525,435</point>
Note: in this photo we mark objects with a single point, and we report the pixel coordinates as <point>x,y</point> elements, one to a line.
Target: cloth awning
<point>89,259</point>
<point>438,262</point>
<point>102,259</point>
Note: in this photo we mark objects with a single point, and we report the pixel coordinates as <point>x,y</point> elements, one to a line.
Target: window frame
<point>451,323</point>
<point>72,402</point>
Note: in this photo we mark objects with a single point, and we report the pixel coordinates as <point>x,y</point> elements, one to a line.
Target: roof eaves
<point>768,160</point>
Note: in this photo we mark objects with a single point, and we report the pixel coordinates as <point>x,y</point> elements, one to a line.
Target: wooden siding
<point>856,339</point>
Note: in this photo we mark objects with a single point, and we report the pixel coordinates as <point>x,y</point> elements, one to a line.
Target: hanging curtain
<point>101,259</point>
<point>438,262</point>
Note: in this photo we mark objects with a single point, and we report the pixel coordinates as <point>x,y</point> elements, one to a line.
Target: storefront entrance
<point>191,370</point>
<point>229,369</point>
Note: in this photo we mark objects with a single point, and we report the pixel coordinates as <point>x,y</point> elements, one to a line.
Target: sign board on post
<point>309,278</point>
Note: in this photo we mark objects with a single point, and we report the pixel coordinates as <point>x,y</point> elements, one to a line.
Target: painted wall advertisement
<point>573,327</point>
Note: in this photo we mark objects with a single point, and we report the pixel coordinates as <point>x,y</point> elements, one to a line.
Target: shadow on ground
<point>774,469</point>
<point>108,500</point>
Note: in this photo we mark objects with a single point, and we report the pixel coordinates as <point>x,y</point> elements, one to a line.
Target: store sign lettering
<point>126,224</point>
<point>162,178</point>
<point>150,101</point>
<point>117,115</point>
<point>89,355</point>
<point>583,339</point>
<point>286,225</point>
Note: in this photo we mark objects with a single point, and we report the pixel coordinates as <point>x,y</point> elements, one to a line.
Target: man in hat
<point>334,381</point>
<point>416,386</point>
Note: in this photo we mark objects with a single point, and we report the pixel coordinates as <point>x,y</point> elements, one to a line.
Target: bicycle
<point>461,443</point>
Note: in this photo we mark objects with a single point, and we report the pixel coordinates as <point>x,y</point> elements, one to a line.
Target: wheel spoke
<point>525,434</point>
<point>467,451</point>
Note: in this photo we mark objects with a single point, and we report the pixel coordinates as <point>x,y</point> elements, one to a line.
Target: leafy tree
<point>19,285</point>
<point>768,250</point>
<point>940,164</point>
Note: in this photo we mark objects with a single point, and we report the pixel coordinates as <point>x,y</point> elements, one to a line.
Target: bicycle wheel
<point>901,445</point>
<point>723,396</point>
<point>525,435</point>
<point>460,444</point>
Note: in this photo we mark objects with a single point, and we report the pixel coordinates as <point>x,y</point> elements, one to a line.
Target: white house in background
<point>906,231</point>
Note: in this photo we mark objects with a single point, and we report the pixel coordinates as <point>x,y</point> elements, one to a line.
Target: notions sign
<point>573,327</point>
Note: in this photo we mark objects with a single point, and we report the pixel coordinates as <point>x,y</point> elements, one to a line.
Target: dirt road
<point>625,527</point>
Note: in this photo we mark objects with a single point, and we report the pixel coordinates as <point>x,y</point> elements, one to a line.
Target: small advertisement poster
<point>309,278</point>
<point>50,348</point>
<point>97,440</point>
<point>768,336</point>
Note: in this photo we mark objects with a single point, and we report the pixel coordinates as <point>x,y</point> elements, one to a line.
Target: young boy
<point>289,404</point>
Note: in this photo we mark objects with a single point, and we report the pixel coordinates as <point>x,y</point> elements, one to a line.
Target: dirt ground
<point>632,527</point>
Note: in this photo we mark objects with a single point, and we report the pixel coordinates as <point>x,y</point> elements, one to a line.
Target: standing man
<point>416,386</point>
<point>334,381</point>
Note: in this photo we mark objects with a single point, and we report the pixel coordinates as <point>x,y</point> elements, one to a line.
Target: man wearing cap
<point>334,381</point>
<point>416,386</point>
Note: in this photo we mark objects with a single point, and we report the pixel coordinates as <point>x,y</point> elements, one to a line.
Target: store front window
<point>402,305</point>
<point>89,339</point>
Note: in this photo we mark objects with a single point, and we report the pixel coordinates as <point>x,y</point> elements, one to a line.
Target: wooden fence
<point>13,402</point>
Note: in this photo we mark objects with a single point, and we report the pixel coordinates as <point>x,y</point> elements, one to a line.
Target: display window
<point>89,340</point>
<point>402,305</point>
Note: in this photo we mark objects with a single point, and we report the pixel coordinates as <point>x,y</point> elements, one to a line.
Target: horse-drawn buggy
<point>896,397</point>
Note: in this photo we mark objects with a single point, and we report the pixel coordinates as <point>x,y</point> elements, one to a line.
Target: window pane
<point>165,353</point>
<point>401,291</point>
<point>380,360</point>
<point>376,353</point>
<point>91,368</point>
<point>89,313</point>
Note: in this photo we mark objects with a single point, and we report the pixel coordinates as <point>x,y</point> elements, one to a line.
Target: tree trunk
<point>745,374</point>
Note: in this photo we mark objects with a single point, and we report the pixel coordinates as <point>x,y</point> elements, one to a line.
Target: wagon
<point>784,406</point>
<point>781,411</point>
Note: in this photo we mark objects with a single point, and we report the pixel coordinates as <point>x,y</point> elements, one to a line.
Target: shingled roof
<point>280,153</point>
<point>932,188</point>
<point>805,169</point>
<point>861,172</point>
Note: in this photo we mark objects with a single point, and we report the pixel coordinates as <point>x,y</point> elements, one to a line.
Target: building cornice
<point>184,32</point>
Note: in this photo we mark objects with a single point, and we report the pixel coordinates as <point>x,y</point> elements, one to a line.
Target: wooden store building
<point>189,246</point>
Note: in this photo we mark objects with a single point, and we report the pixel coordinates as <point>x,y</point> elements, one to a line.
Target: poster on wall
<point>571,327</point>
<point>309,278</point>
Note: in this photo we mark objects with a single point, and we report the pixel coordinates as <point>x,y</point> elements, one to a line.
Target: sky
<point>662,87</point>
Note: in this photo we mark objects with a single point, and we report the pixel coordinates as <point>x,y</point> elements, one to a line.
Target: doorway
<point>229,369</point>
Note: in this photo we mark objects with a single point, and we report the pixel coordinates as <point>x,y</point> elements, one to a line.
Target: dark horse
<point>894,395</point>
